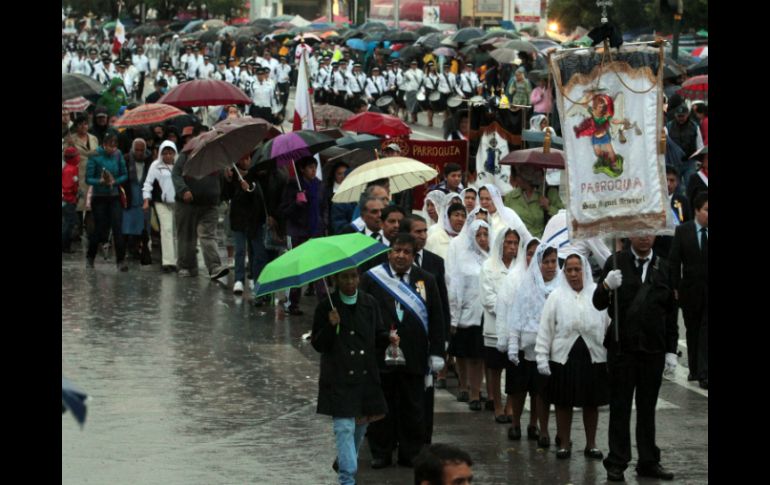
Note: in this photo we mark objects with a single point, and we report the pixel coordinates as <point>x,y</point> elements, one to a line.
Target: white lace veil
<point>437,198</point>
<point>529,298</point>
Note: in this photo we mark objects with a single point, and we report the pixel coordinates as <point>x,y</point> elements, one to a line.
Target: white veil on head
<point>532,291</point>
<point>508,215</point>
<point>588,281</point>
<point>462,196</point>
<point>496,250</point>
<point>444,217</point>
<point>583,317</point>
<point>436,197</point>
<point>163,146</point>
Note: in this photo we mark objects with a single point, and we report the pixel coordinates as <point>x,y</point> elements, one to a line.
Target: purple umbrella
<point>445,51</point>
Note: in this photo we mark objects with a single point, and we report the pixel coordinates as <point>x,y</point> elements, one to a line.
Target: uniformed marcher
<point>376,85</point>
<point>234,71</point>
<point>206,70</point>
<point>429,85</point>
<point>93,63</point>
<point>283,80</point>
<point>339,85</point>
<point>106,71</point>
<point>142,64</point>
<point>447,86</point>
<point>412,84</point>
<point>468,82</point>
<point>356,84</point>
<point>263,96</point>
<point>321,82</point>
<point>397,78</point>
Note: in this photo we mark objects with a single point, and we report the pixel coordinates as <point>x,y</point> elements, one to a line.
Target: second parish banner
<point>611,109</point>
<point>435,154</point>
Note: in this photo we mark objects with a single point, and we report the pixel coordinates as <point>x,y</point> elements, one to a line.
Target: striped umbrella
<point>695,88</point>
<point>148,114</point>
<point>76,105</point>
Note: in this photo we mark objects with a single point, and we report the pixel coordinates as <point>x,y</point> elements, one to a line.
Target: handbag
<point>123,198</point>
<point>270,238</point>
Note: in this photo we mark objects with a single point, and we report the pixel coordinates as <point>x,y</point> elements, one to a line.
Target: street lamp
<point>553,27</point>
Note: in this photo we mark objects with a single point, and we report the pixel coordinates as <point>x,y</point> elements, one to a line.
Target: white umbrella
<point>403,173</point>
<point>299,21</point>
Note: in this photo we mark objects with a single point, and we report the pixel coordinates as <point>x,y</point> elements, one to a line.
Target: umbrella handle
<point>240,177</point>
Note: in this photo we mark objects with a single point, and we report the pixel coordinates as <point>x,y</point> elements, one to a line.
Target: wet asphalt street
<point>190,384</point>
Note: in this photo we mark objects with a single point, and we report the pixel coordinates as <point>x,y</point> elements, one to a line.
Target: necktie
<point>417,260</point>
<point>640,266</point>
<point>704,239</point>
<point>401,277</point>
<point>376,235</point>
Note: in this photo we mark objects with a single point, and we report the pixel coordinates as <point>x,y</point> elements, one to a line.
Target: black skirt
<point>579,383</point>
<point>524,377</point>
<point>467,343</point>
<point>494,359</point>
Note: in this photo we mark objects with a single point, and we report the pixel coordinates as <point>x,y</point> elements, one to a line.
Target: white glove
<point>513,348</point>
<point>513,357</point>
<point>614,279</point>
<point>502,345</point>
<point>671,362</point>
<point>544,369</point>
<point>436,363</point>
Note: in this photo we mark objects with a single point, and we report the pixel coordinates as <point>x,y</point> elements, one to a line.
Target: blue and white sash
<point>358,224</point>
<point>403,293</point>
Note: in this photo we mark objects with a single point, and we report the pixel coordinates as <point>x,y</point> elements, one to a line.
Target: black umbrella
<point>73,399</point>
<point>262,22</point>
<point>411,52</point>
<point>148,29</point>
<point>494,35</point>
<point>700,68</point>
<point>75,85</point>
<point>359,141</point>
<point>375,36</point>
<point>401,36</point>
<point>353,34</point>
<point>209,35</point>
<point>475,55</point>
<point>431,41</point>
<point>464,35</point>
<point>373,25</point>
<point>426,29</point>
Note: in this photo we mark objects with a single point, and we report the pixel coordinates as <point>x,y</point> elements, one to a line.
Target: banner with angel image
<point>611,109</point>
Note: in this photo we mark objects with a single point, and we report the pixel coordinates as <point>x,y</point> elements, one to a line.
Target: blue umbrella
<point>73,398</point>
<point>357,44</point>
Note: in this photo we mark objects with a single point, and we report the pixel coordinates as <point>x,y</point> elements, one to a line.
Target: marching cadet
<point>206,70</point>
<point>263,96</point>
<point>469,82</point>
<point>142,64</point>
<point>338,84</point>
<point>398,78</point>
<point>222,73</point>
<point>248,76</point>
<point>430,85</point>
<point>106,71</point>
<point>131,77</point>
<point>411,85</point>
<point>234,70</point>
<point>447,86</point>
<point>93,64</point>
<point>356,83</point>
<point>283,80</point>
<point>187,59</point>
<point>321,82</point>
<point>270,63</point>
<point>376,85</point>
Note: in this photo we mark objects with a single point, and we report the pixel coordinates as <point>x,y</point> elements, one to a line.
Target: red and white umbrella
<point>701,52</point>
<point>148,114</point>
<point>76,105</point>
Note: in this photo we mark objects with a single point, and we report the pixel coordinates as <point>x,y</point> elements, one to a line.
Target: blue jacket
<point>114,164</point>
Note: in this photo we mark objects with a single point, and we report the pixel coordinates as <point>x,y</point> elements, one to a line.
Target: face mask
<point>349,300</point>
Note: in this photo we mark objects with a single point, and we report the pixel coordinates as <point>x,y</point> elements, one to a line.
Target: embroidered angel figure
<point>604,119</point>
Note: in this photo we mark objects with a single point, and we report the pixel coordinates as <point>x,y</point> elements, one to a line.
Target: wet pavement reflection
<point>190,384</point>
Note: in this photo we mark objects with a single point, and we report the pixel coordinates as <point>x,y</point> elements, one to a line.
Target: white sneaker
<point>238,288</point>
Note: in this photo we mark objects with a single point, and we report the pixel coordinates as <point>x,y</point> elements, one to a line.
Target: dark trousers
<point>403,425</point>
<point>703,348</point>
<point>430,394</point>
<point>68,223</point>
<point>693,320</point>
<point>629,372</point>
<point>108,214</point>
<point>264,113</point>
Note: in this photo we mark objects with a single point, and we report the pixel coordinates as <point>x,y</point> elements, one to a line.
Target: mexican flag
<point>120,37</point>
<point>303,109</point>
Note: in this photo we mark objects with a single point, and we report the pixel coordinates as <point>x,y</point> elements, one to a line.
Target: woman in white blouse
<point>160,171</point>
<point>570,349</point>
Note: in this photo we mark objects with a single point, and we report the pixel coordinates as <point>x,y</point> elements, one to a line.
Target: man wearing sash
<point>356,84</point>
<point>376,85</point>
<point>447,86</point>
<point>410,302</point>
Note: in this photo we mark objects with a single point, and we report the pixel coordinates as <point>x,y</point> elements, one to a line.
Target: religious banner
<point>611,109</point>
<point>435,154</point>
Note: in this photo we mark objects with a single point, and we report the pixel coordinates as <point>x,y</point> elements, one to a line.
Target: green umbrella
<point>316,259</point>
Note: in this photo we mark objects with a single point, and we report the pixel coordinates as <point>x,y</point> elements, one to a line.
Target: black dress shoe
<point>463,396</point>
<point>489,405</point>
<point>594,453</point>
<point>378,463</point>
<point>514,433</point>
<point>533,433</point>
<point>655,471</point>
<point>474,405</point>
<point>615,475</point>
<point>704,384</point>
<point>502,419</point>
<point>544,442</point>
<point>563,454</point>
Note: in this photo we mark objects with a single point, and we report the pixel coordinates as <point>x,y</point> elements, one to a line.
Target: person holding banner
<point>410,304</point>
<point>641,344</point>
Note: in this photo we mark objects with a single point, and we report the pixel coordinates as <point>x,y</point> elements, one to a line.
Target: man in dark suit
<point>390,218</point>
<point>433,264</point>
<point>680,208</point>
<point>419,322</point>
<point>645,346</point>
<point>689,260</point>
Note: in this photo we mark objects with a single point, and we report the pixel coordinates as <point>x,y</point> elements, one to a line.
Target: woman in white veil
<point>516,384</point>
<point>505,252</point>
<point>431,207</point>
<point>451,222</point>
<point>570,348</point>
<point>499,215</point>
<point>524,323</point>
<point>467,253</point>
<point>470,197</point>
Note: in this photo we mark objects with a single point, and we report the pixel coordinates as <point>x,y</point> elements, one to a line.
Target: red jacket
<point>69,181</point>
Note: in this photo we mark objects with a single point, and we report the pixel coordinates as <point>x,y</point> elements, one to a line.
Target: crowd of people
<point>497,289</point>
